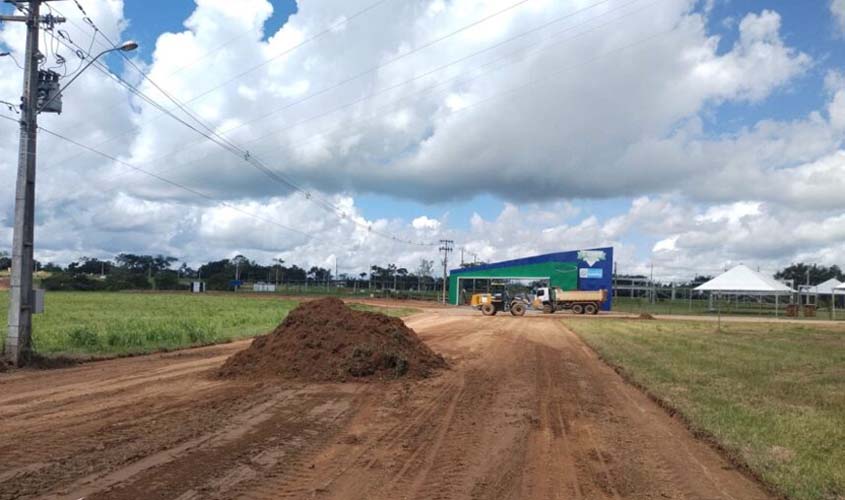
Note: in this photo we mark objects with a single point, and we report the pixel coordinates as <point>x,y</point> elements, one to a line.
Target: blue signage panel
<point>591,273</point>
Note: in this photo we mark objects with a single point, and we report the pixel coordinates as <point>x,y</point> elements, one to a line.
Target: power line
<point>330,29</point>
<point>430,72</point>
<point>386,108</point>
<point>354,77</point>
<point>171,182</point>
<point>215,137</point>
<point>462,109</point>
<point>416,77</point>
<point>381,91</point>
<point>245,155</point>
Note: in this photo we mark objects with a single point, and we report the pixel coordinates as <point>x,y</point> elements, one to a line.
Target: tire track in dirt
<point>526,411</point>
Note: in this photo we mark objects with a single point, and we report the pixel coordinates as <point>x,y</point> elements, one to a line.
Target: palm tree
<point>403,273</point>
<point>277,263</point>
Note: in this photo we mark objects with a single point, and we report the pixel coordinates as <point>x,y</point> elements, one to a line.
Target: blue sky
<point>807,26</point>
<point>149,18</point>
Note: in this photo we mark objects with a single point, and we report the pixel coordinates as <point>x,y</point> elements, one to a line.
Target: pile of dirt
<point>5,283</point>
<point>324,340</point>
<point>645,316</point>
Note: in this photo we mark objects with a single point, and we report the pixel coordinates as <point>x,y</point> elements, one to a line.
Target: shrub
<point>84,337</point>
<point>72,282</point>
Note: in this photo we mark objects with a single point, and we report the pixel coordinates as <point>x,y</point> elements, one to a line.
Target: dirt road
<point>527,411</point>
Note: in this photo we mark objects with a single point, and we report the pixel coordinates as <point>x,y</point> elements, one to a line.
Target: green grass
<point>122,323</point>
<point>701,307</point>
<point>85,323</point>
<point>399,312</point>
<point>773,394</point>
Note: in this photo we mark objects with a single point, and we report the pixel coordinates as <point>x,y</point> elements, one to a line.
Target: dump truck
<point>552,299</point>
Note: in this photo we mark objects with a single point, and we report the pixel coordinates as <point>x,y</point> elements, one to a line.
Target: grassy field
<point>399,312</point>
<point>86,323</point>
<point>702,307</point>
<point>772,394</point>
<point>121,323</point>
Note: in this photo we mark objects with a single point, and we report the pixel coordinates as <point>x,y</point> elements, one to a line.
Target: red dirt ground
<point>527,411</point>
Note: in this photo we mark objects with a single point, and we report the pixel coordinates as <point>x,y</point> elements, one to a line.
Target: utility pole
<point>446,246</point>
<point>21,296</point>
<point>651,280</point>
<point>615,269</point>
<point>41,94</point>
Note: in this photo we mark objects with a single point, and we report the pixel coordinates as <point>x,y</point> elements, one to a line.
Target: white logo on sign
<point>591,256</point>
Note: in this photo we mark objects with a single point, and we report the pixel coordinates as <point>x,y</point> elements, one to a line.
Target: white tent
<point>839,290</point>
<point>827,287</point>
<point>741,280</point>
<point>745,281</point>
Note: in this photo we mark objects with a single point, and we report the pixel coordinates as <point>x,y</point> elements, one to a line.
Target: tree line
<point>129,271</point>
<point>133,271</point>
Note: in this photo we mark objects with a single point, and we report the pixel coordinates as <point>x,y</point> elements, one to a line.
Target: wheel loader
<point>491,303</point>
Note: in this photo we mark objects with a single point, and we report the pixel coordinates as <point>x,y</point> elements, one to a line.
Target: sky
<point>690,135</point>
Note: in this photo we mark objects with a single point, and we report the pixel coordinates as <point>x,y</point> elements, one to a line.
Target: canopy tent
<point>745,281</point>
<point>839,290</point>
<point>741,280</point>
<point>828,287</point>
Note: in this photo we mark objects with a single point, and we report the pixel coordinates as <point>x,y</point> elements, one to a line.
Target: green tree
<point>816,273</point>
<point>90,265</point>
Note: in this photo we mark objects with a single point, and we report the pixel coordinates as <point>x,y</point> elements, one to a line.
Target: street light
<point>38,85</point>
<point>127,46</point>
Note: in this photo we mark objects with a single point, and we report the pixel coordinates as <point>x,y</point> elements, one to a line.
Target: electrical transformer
<point>49,91</point>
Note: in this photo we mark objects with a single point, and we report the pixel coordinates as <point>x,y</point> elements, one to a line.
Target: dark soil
<point>324,340</point>
<point>645,316</point>
<point>40,362</point>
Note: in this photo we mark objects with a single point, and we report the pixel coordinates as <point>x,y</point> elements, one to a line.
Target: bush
<point>127,281</point>
<point>72,282</point>
<point>169,280</point>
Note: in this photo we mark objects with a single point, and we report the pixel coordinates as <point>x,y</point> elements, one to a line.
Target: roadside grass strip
<point>770,394</point>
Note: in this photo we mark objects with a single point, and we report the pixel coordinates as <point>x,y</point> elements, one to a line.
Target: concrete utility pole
<point>41,94</point>
<point>651,280</point>
<point>21,296</point>
<point>446,246</point>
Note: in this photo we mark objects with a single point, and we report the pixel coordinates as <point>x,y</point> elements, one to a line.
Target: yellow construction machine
<point>491,303</point>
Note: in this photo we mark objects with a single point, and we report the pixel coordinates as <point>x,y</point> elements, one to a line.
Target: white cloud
<point>425,223</point>
<point>611,103</point>
<point>837,9</point>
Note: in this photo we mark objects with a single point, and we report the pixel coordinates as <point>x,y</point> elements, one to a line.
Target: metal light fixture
<point>127,46</point>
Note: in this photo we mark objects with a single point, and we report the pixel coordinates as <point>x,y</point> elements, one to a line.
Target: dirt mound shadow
<point>324,340</point>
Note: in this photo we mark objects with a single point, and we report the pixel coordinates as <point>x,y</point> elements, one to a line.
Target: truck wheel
<point>518,309</point>
<point>577,309</point>
<point>591,309</point>
<point>488,309</point>
<point>548,309</point>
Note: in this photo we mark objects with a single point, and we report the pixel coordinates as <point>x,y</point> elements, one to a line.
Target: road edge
<point>675,413</point>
